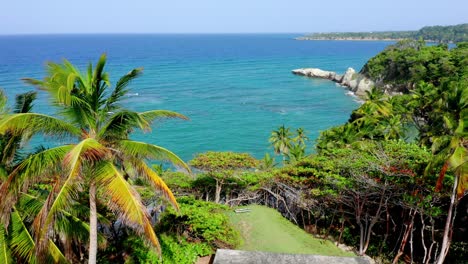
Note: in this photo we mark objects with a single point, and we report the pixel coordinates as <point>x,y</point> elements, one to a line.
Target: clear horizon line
<point>148,33</point>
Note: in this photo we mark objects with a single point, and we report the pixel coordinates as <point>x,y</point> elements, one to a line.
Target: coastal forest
<point>390,183</point>
<point>440,34</point>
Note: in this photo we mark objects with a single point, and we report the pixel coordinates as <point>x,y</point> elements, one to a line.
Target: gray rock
<point>364,85</point>
<point>348,77</point>
<point>316,73</point>
<point>356,82</point>
<point>225,256</point>
<point>338,78</point>
<point>353,84</point>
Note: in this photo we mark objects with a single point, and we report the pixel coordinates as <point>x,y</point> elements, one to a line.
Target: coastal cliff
<point>355,82</point>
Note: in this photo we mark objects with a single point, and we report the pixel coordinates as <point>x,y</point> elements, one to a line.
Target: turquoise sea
<point>234,88</point>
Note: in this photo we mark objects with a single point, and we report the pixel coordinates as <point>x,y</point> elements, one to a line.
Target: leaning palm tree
<point>98,163</point>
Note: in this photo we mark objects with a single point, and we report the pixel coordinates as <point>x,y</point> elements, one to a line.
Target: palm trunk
<point>92,225</point>
<point>218,191</point>
<point>449,224</point>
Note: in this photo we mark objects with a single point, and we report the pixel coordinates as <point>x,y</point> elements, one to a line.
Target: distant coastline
<point>351,39</point>
<point>436,34</point>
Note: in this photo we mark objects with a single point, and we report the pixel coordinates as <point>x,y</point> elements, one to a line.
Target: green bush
<point>173,250</point>
<point>200,221</point>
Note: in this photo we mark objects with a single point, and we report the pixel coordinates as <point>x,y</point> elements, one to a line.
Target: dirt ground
<point>205,260</point>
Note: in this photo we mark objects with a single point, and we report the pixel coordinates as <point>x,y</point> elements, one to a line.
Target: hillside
<point>442,34</point>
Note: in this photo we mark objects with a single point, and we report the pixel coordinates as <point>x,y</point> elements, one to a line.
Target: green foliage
<point>445,34</point>
<point>201,221</point>
<point>178,180</point>
<point>409,62</point>
<point>134,250</point>
<point>221,161</point>
<point>267,162</point>
<point>252,180</point>
<point>393,160</point>
<point>174,250</point>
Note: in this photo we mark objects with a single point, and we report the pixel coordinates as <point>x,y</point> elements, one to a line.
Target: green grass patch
<point>264,229</point>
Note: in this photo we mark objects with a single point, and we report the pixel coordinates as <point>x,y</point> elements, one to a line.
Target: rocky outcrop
<point>355,82</point>
<point>318,73</point>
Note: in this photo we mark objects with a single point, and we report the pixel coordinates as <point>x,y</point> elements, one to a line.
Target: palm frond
<point>152,177</point>
<point>42,231</point>
<point>23,103</point>
<point>3,174</point>
<point>21,244</point>
<point>120,89</point>
<point>35,123</point>
<point>100,82</point>
<point>150,116</point>
<point>5,254</point>
<point>141,150</point>
<point>26,173</point>
<point>30,205</point>
<point>55,254</point>
<point>125,201</point>
<point>87,150</point>
<point>3,102</point>
<point>120,124</point>
<point>63,194</point>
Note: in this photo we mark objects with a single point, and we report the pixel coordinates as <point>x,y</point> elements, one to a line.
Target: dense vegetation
<point>390,182</point>
<point>53,198</point>
<point>442,34</point>
<point>409,62</point>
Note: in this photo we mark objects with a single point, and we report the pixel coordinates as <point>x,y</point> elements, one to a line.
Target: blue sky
<point>221,16</point>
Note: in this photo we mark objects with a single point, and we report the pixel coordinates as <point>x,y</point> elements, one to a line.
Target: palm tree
<point>339,136</point>
<point>17,243</point>
<point>392,128</point>
<point>451,149</point>
<point>296,153</point>
<point>281,140</point>
<point>378,102</point>
<point>301,136</point>
<point>267,162</point>
<point>99,163</point>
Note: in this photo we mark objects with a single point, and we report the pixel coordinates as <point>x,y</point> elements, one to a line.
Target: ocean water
<point>234,88</point>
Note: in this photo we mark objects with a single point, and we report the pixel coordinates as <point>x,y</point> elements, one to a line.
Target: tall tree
<point>223,166</point>
<point>281,140</point>
<point>99,161</point>
<point>453,150</point>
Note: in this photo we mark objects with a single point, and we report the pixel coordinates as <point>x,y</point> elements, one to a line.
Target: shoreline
<point>346,39</point>
<point>365,39</point>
